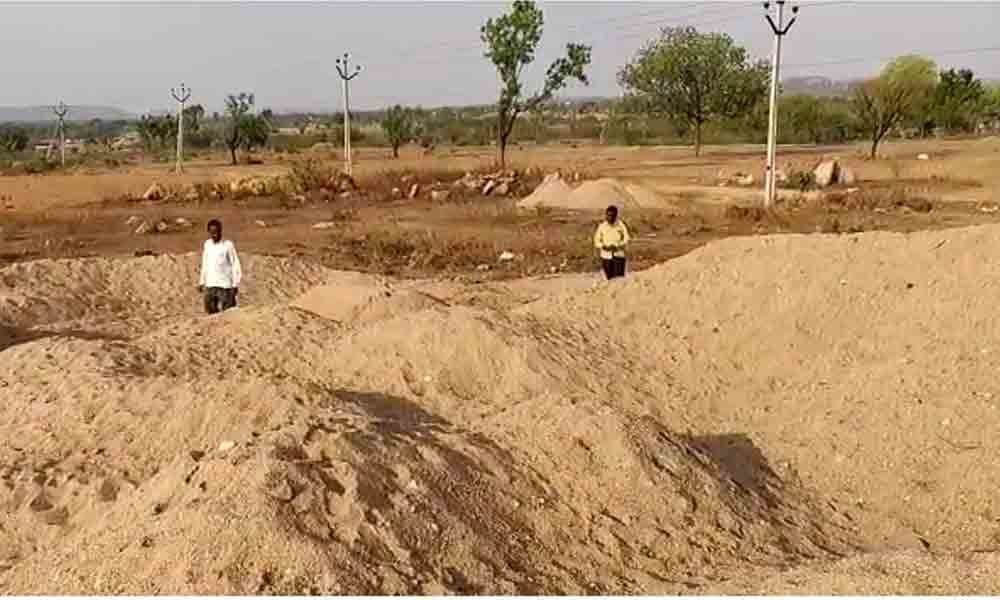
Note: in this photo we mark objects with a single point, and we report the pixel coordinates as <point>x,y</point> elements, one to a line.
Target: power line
<point>848,61</point>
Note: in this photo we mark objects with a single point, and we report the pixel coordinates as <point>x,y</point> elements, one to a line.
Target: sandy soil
<point>765,414</point>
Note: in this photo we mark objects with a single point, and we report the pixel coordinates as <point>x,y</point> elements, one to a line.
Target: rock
<point>923,157</point>
<point>488,188</point>
<point>162,227</point>
<point>300,198</point>
<point>826,173</point>
<point>440,195</point>
<point>414,190</point>
<point>108,492</point>
<point>154,193</point>
<point>483,267</point>
<point>503,189</point>
<point>132,220</point>
<point>182,222</point>
<point>780,176</point>
<point>143,228</point>
<point>853,190</point>
<point>260,223</point>
<point>226,446</point>
<point>324,225</point>
<point>847,176</point>
<point>507,257</point>
<point>40,503</point>
<point>745,180</point>
<point>397,193</point>
<point>346,195</point>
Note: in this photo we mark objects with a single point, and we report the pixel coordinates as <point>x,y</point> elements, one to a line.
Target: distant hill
<point>816,86</point>
<point>38,114</point>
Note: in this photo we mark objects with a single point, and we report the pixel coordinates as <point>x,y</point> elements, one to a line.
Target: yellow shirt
<point>614,236</point>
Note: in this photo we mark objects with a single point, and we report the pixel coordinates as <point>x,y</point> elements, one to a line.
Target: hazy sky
<point>427,53</point>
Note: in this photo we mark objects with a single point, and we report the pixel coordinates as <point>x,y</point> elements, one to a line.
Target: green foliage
<point>511,40</point>
<point>918,76</point>
<point>156,131</point>
<point>244,130</point>
<point>901,94</point>
<point>958,100</point>
<point>694,78</point>
<point>13,139</point>
<point>400,125</point>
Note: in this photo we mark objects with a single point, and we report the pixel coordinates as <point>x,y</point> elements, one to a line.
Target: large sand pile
<point>593,195</point>
<point>760,405</point>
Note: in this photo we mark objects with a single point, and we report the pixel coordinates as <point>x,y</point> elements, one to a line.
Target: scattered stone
<point>488,187</point>
<point>324,225</point>
<point>502,190</point>
<point>414,190</point>
<point>483,267</point>
<point>143,228</point>
<point>923,157</point>
<point>260,223</point>
<point>397,193</point>
<point>440,195</point>
<point>745,180</point>
<point>197,455</point>
<point>780,176</point>
<point>154,192</point>
<point>847,176</point>
<point>507,256</point>
<point>826,173</point>
<point>162,227</point>
<point>182,222</point>
<point>132,220</point>
<point>226,446</point>
<point>40,503</point>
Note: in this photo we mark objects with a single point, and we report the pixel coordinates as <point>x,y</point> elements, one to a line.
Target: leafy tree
<point>13,139</point>
<point>694,78</point>
<point>156,131</point>
<point>802,115</point>
<point>239,110</point>
<point>919,76</point>
<point>510,42</point>
<point>900,94</point>
<point>958,100</point>
<point>399,125</point>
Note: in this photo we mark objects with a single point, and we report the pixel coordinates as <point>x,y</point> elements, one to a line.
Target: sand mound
<point>755,416</point>
<point>593,196</point>
<point>552,192</point>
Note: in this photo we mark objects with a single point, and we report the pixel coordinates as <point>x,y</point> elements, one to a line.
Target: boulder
<point>440,195</point>
<point>745,180</point>
<point>502,190</point>
<point>507,256</point>
<point>923,157</point>
<point>847,176</point>
<point>154,192</point>
<point>182,222</point>
<point>826,173</point>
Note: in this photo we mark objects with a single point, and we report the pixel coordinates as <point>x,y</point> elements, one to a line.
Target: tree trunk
<point>232,152</point>
<point>395,150</point>
<point>697,138</point>
<point>875,140</point>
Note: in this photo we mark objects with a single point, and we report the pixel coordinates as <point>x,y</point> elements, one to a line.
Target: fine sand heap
<point>596,195</point>
<point>794,414</point>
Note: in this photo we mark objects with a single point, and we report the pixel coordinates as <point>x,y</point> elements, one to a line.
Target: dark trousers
<point>219,299</point>
<point>614,267</point>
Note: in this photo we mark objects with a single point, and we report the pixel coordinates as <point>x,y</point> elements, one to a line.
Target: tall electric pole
<point>346,75</point>
<point>60,111</point>
<point>181,95</point>
<point>779,29</point>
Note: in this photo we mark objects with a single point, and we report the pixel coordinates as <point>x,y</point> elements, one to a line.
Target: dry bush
<point>876,199</point>
<point>397,250</point>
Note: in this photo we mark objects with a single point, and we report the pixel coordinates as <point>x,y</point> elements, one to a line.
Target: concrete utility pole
<point>779,29</point>
<point>60,111</point>
<point>346,76</point>
<point>181,95</point>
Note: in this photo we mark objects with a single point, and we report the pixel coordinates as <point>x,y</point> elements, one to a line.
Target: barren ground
<point>394,410</point>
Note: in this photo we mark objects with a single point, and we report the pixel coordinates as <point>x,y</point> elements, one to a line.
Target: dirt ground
<point>394,409</point>
<point>81,214</point>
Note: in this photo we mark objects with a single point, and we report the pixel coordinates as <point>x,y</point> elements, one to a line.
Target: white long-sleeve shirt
<point>220,266</point>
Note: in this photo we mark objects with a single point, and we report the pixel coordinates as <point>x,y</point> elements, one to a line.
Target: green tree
<point>802,117</point>
<point>958,100</point>
<point>242,121</point>
<point>694,78</point>
<point>399,126</point>
<point>900,94</point>
<point>510,42</point>
<point>919,75</point>
<point>13,139</point>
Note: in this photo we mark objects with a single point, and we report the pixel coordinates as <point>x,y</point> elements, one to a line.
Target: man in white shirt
<point>220,271</point>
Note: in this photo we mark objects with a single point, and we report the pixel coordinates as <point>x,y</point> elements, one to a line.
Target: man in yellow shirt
<point>610,239</point>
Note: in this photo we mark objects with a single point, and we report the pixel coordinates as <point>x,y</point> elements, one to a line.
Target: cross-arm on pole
<point>780,29</point>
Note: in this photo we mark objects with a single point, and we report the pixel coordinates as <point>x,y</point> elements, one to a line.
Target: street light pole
<point>779,29</point>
